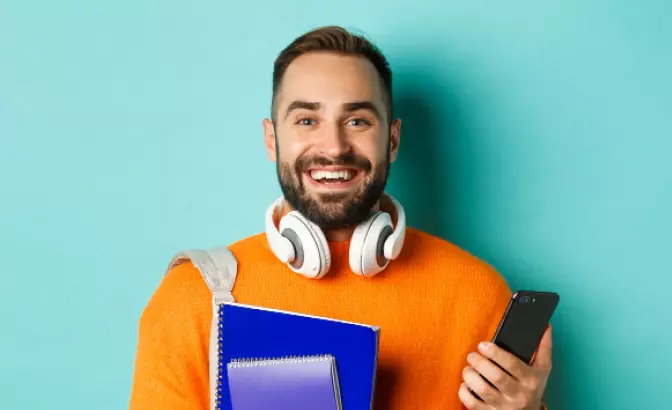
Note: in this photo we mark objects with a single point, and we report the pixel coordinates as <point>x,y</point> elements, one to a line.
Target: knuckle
<point>510,366</point>
<point>485,392</point>
<point>480,389</point>
<point>465,372</point>
<point>497,378</point>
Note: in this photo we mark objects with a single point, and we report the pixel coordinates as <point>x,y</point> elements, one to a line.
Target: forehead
<point>331,79</point>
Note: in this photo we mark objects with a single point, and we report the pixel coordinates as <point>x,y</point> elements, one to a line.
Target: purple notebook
<point>309,382</point>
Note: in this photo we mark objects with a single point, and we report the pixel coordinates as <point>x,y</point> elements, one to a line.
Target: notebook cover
<point>249,332</point>
<point>302,383</point>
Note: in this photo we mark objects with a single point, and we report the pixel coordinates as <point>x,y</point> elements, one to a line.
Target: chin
<point>333,199</point>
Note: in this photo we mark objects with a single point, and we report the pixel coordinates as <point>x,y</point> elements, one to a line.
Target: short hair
<point>338,40</point>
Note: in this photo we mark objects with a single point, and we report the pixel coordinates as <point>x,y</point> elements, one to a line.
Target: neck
<point>344,234</point>
<point>338,234</point>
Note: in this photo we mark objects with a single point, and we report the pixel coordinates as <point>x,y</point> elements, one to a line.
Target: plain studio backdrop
<point>536,135</point>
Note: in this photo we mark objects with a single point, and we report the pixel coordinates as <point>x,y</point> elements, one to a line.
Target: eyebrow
<point>306,105</point>
<point>361,105</point>
<point>347,107</point>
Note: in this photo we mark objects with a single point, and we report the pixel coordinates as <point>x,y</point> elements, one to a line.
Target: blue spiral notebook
<point>253,333</point>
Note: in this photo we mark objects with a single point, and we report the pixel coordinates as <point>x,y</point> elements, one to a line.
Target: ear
<point>269,139</point>
<point>395,137</point>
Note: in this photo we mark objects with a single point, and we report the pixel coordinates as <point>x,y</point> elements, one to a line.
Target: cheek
<point>290,147</point>
<point>286,155</point>
<point>374,150</point>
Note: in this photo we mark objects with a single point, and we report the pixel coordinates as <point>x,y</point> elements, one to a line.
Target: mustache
<point>347,159</point>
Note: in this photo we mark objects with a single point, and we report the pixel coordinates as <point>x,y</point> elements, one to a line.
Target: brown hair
<point>338,40</point>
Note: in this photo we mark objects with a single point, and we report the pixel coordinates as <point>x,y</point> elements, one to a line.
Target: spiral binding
<point>221,366</point>
<point>269,361</point>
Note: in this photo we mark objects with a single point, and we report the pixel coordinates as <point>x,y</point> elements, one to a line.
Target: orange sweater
<point>433,305</point>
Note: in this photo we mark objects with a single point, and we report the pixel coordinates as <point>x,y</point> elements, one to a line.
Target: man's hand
<point>521,389</point>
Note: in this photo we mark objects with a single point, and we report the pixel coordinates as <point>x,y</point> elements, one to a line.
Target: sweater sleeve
<point>171,365</point>
<point>500,295</point>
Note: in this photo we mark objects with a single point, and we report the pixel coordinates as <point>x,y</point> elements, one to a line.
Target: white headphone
<point>303,247</point>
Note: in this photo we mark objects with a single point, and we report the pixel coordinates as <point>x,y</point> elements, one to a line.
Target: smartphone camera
<point>524,299</point>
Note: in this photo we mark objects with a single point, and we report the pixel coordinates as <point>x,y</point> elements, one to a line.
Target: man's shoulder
<point>181,294</point>
<point>426,246</point>
<point>252,248</point>
<point>252,242</point>
<point>444,257</point>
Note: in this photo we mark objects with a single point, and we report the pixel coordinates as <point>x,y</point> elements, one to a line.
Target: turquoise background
<point>537,135</point>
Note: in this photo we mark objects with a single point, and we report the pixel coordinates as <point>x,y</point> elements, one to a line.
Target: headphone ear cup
<point>367,244</point>
<point>310,245</point>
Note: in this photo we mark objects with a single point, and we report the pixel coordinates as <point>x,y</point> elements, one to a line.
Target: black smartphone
<point>524,322</point>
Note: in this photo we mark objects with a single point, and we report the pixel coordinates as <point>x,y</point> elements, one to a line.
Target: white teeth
<point>318,175</point>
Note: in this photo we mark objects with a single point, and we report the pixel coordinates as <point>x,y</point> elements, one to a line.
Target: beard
<point>335,210</point>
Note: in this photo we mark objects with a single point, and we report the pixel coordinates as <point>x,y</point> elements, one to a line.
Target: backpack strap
<point>218,267</point>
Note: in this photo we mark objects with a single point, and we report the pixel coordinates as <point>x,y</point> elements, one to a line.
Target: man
<point>333,136</point>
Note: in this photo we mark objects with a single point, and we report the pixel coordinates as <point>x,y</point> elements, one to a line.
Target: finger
<point>542,359</point>
<point>516,367</point>
<point>479,386</point>
<point>492,373</point>
<point>469,401</point>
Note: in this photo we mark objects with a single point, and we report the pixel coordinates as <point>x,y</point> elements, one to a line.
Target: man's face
<point>332,141</point>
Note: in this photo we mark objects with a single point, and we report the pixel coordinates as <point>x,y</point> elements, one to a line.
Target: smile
<point>327,177</point>
<point>335,178</point>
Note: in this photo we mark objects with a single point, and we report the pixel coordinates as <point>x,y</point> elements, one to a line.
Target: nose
<point>333,141</point>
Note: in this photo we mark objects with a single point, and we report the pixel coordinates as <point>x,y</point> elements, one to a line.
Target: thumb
<point>542,360</point>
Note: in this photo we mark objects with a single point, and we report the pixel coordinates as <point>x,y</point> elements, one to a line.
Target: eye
<point>358,122</point>
<point>305,121</point>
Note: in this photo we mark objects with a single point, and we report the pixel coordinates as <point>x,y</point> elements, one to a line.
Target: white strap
<point>218,267</point>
